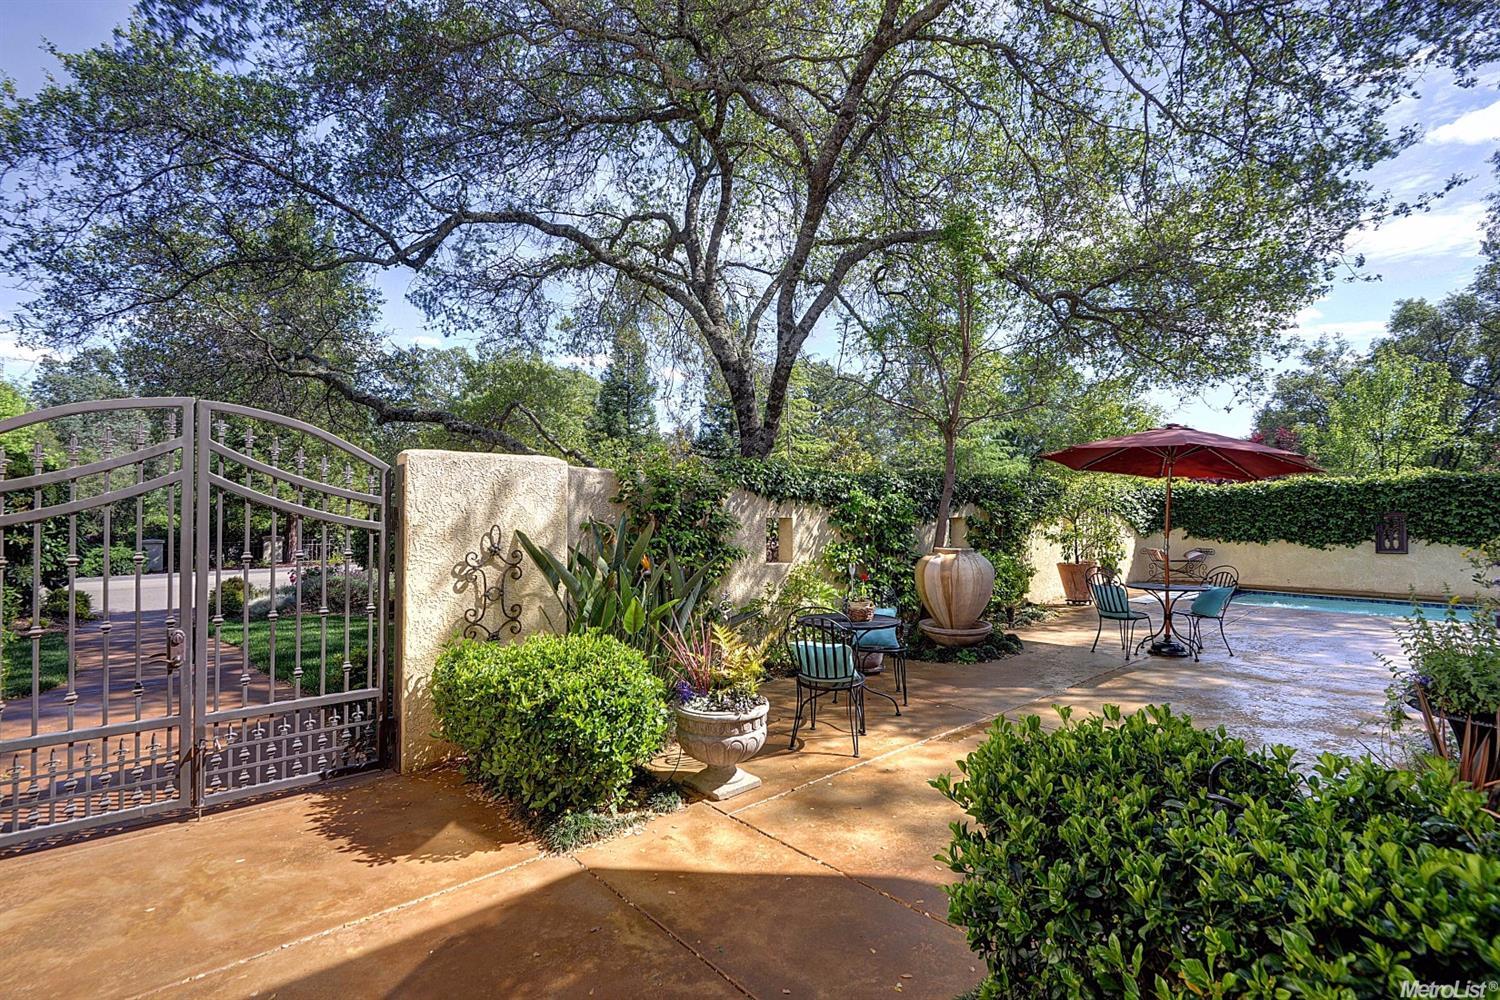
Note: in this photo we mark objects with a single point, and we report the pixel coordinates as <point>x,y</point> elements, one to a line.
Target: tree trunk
<point>950,475</point>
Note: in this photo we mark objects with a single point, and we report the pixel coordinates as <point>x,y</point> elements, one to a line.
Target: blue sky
<point>1425,255</point>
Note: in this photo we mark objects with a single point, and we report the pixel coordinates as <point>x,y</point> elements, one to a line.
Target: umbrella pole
<point>1166,547</point>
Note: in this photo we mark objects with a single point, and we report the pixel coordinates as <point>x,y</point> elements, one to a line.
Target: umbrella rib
<point>1246,472</point>
<point>1102,458</point>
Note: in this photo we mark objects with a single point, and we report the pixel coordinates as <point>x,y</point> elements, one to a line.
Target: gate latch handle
<point>175,640</point>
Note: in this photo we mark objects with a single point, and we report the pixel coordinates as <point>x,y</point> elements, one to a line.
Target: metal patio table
<point>845,622</point>
<point>1164,639</point>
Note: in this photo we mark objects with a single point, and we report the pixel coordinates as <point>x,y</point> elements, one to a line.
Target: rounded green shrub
<point>1101,860</point>
<point>55,605</point>
<point>228,598</point>
<point>554,723</point>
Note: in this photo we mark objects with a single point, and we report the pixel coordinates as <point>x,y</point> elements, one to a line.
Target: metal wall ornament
<point>486,570</point>
<point>1390,534</point>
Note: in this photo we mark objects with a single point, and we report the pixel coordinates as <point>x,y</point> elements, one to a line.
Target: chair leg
<point>797,720</point>
<point>1097,633</point>
<point>901,672</point>
<point>1224,637</point>
<point>853,721</point>
<point>812,721</point>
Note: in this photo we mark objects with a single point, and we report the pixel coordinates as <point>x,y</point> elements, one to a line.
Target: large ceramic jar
<point>723,741</point>
<point>955,585</point>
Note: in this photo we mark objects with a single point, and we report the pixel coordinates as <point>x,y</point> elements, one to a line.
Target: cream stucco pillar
<point>449,501</point>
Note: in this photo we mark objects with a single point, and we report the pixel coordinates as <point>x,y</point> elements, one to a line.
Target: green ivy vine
<point>685,501</point>
<point>1322,512</point>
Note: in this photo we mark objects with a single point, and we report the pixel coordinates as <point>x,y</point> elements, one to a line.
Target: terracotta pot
<point>955,585</point>
<point>1075,580</point>
<point>722,740</point>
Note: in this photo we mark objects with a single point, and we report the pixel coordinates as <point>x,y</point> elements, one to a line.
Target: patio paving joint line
<point>659,925</point>
<point>838,871</point>
<point>327,931</point>
<point>982,720</point>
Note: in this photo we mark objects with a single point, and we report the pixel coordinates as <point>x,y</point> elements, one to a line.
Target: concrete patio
<point>819,883</point>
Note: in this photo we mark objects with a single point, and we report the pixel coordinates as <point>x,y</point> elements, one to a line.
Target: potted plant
<point>1088,534</point>
<point>1451,675</point>
<point>721,715</point>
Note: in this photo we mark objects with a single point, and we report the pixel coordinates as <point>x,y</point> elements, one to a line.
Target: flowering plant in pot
<point>1451,675</point>
<point>859,605</point>
<point>721,715</point>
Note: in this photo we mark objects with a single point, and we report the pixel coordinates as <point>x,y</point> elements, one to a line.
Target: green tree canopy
<point>1165,183</point>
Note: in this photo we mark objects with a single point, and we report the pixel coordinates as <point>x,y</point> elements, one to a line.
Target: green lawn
<point>286,642</point>
<point>55,654</point>
<point>18,664</point>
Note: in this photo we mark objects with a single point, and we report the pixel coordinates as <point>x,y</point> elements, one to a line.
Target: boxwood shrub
<point>554,723</point>
<point>1097,862</point>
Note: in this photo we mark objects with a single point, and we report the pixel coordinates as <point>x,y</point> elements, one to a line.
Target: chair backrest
<point>1110,598</point>
<point>819,646</point>
<point>1156,562</point>
<point>1222,576</point>
<point>1213,602</point>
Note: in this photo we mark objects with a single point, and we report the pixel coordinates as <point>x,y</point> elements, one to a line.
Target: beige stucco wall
<point>1044,555</point>
<point>1427,569</point>
<point>449,501</point>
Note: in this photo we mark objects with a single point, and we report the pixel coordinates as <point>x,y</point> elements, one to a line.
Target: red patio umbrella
<point>1175,450</point>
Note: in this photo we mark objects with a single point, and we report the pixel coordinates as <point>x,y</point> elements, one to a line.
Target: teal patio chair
<point>822,650</point>
<point>1112,602</point>
<point>1211,605</point>
<point>890,643</point>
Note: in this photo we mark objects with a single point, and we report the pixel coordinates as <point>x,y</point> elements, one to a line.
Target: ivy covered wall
<point>1323,512</point>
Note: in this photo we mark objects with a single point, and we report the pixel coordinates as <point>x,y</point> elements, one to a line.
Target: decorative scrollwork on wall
<point>486,571</point>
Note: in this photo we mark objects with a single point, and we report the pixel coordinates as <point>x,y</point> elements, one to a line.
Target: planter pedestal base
<point>719,783</point>
<point>956,637</point>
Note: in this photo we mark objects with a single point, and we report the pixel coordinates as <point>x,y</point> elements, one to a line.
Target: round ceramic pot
<point>955,585</point>
<point>722,739</point>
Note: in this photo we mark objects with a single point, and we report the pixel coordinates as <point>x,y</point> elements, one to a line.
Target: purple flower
<point>685,691</point>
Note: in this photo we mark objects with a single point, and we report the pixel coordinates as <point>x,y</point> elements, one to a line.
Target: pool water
<point>1348,605</point>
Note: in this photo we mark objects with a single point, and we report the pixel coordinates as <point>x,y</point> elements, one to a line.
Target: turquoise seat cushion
<point>1211,603</point>
<point>1111,601</point>
<point>880,638</point>
<point>821,661</point>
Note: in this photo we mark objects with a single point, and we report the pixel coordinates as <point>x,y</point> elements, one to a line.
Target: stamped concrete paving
<point>820,883</point>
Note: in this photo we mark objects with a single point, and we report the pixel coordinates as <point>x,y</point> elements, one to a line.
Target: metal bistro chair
<point>1219,585</point>
<point>1112,602</point>
<point>822,650</point>
<point>892,643</point>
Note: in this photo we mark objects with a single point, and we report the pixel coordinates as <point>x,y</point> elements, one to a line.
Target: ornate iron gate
<point>234,638</point>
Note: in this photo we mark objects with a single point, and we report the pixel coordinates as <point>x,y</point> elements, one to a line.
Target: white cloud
<point>1472,128</point>
<point>1454,231</point>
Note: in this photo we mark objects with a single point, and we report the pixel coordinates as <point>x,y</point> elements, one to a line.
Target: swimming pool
<point>1348,605</point>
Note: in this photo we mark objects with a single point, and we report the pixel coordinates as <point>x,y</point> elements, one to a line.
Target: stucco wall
<point>449,501</point>
<point>1044,555</point>
<point>1357,570</point>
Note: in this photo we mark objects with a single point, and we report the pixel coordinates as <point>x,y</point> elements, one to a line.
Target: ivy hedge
<point>1451,508</point>
<point>874,512</point>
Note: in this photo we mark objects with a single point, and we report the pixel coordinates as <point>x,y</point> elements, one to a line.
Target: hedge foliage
<point>1453,508</point>
<point>1097,863</point>
<point>554,723</point>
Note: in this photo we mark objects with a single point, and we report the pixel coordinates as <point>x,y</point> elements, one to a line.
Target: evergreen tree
<point>625,410</point>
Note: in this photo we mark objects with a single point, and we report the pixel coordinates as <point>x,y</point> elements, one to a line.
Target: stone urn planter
<point>955,585</point>
<point>723,741</point>
<point>1075,580</point>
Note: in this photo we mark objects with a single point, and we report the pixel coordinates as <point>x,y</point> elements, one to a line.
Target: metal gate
<point>194,604</point>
